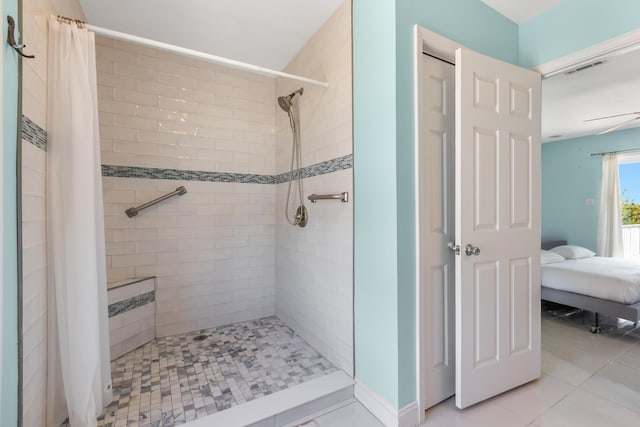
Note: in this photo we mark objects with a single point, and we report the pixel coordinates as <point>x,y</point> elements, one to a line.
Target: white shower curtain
<point>609,219</point>
<point>79,375</point>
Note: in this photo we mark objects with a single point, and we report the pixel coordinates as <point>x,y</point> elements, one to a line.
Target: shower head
<point>285,101</point>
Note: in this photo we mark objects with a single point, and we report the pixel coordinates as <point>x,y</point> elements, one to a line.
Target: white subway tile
<point>156,137</point>
<point>213,87</point>
<point>120,248</point>
<point>177,127</point>
<point>178,105</point>
<point>134,184</point>
<point>133,260</point>
<point>130,96</point>
<point>155,246</point>
<point>151,87</point>
<point>158,64</point>
<point>199,71</point>
<point>116,80</point>
<point>33,207</point>
<point>120,273</point>
<point>134,235</point>
<point>215,132</point>
<point>139,73</point>
<point>104,65</point>
<point>196,96</point>
<point>105,92</point>
<point>138,123</point>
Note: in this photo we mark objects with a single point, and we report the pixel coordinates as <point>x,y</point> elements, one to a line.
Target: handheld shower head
<point>285,101</point>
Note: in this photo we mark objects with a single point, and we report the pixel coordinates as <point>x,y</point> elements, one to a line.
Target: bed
<point>576,284</point>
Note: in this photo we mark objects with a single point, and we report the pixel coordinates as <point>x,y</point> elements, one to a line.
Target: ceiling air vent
<point>585,67</point>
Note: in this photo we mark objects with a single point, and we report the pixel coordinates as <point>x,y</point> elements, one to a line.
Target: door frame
<point>1,197</point>
<point>441,47</point>
<point>428,41</point>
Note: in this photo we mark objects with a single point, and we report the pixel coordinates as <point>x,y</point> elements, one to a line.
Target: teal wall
<point>375,234</point>
<point>384,231</point>
<point>570,175</point>
<point>574,25</point>
<point>9,398</point>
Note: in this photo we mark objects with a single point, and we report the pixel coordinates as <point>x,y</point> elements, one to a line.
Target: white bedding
<point>614,279</point>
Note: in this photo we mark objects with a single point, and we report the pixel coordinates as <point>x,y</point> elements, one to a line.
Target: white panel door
<point>497,212</point>
<point>437,222</point>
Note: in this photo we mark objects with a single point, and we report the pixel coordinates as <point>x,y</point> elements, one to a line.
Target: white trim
<point>201,55</point>
<point>277,403</point>
<point>409,416</point>
<point>437,45</point>
<point>380,408</point>
<point>1,199</point>
<point>626,158</point>
<point>385,412</point>
<point>617,45</point>
<point>418,42</point>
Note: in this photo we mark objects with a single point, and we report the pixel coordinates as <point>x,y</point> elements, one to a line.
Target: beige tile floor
<point>588,381</point>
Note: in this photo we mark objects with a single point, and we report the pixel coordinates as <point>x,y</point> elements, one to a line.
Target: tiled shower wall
<point>35,14</point>
<point>314,265</point>
<point>213,248</point>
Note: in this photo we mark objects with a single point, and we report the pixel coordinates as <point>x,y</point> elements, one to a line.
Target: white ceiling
<point>568,100</point>
<point>604,90</point>
<point>263,32</point>
<point>520,11</point>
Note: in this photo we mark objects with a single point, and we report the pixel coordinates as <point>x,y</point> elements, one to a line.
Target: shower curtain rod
<point>200,55</point>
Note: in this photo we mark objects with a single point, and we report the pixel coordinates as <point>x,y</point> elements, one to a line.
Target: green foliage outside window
<point>630,212</point>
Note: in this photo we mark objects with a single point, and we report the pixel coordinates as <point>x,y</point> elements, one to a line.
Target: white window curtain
<point>609,219</point>
<point>79,376</point>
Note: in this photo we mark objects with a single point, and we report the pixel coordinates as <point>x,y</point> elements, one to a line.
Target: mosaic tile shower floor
<point>176,379</point>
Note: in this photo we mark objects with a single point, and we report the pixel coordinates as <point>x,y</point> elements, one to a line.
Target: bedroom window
<point>630,188</point>
<point>629,174</point>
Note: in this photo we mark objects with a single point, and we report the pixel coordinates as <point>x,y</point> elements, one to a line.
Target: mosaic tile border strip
<point>33,133</point>
<point>37,136</point>
<point>322,168</point>
<point>183,175</point>
<point>131,303</point>
<point>329,166</point>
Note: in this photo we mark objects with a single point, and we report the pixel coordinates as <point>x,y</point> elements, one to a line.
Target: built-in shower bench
<point>132,314</point>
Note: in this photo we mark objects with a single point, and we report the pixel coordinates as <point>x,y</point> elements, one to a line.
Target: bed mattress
<point>613,279</point>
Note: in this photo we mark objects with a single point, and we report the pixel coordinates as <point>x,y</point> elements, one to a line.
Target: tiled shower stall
<point>222,254</point>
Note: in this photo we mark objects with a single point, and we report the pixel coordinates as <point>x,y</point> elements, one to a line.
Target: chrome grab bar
<point>343,197</point>
<point>133,211</point>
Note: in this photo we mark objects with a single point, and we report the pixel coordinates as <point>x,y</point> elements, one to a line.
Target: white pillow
<point>573,252</point>
<point>548,257</point>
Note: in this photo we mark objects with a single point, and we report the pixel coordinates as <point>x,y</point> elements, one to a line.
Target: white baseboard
<point>409,415</point>
<point>383,411</point>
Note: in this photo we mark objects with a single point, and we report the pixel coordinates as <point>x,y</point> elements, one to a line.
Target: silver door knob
<point>471,250</point>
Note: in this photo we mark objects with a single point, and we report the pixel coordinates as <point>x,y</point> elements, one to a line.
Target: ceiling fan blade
<point>611,117</point>
<point>618,126</point>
